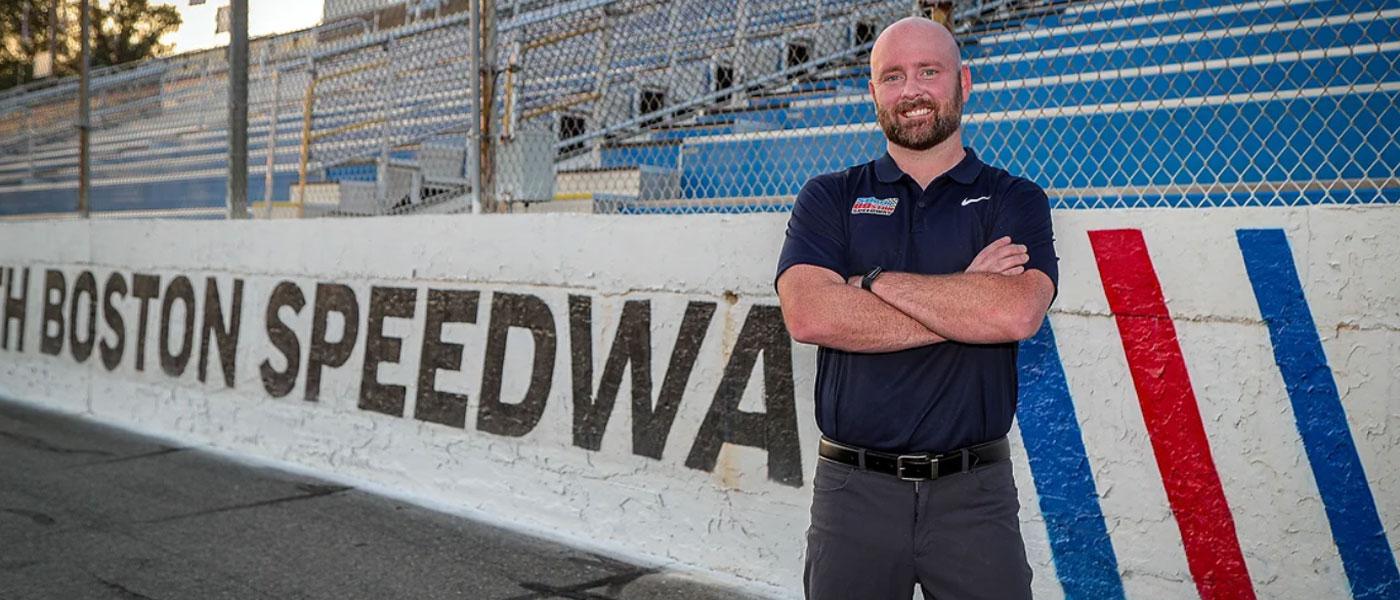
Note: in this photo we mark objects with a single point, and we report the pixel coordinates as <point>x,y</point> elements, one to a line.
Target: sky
<point>264,17</point>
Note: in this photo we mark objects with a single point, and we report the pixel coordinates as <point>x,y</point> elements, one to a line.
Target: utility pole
<point>238,110</point>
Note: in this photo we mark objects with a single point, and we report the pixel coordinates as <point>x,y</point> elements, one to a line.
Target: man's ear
<point>966,75</point>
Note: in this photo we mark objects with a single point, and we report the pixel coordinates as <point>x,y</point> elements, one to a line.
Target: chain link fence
<point>158,141</point>
<point>1180,104</point>
<point>386,117</point>
<point>683,106</point>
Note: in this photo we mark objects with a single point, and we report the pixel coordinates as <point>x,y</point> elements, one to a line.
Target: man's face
<point>918,92</point>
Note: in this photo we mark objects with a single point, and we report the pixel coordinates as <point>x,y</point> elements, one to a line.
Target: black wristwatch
<point>869,279</point>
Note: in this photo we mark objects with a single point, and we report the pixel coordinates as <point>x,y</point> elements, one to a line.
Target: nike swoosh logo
<point>967,201</point>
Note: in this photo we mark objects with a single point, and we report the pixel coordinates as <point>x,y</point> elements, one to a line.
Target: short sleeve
<point>816,232</point>
<point>1025,217</point>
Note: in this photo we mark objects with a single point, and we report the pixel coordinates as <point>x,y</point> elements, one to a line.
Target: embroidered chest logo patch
<point>869,205</point>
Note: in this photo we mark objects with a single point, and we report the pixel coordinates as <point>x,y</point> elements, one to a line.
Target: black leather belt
<point>916,467</point>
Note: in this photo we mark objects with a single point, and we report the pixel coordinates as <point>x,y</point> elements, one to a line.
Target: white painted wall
<point>734,521</point>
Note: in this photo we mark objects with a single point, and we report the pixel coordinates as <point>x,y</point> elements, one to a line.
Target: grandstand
<point>730,105</point>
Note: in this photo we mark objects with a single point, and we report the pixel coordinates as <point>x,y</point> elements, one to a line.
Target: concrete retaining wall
<point>628,381</point>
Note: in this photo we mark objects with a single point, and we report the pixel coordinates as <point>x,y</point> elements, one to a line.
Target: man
<point>917,274</point>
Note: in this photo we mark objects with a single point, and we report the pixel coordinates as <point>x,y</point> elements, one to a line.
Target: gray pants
<point>873,536</point>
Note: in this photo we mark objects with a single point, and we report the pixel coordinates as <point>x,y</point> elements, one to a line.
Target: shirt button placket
<point>920,211</point>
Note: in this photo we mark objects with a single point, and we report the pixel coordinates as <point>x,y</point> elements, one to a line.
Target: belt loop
<point>860,457</point>
<point>965,460</point>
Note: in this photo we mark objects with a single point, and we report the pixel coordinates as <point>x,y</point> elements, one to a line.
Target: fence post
<point>307,103</point>
<point>272,118</point>
<point>511,93</point>
<point>84,109</point>
<point>472,165</point>
<point>388,91</point>
<point>486,144</point>
<point>53,37</point>
<point>238,110</point>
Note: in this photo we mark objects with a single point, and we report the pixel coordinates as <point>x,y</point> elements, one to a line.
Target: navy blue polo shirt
<point>932,398</point>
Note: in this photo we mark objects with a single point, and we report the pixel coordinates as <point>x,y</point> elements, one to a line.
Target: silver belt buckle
<point>900,465</point>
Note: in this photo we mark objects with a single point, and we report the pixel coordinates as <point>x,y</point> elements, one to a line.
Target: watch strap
<point>869,279</point>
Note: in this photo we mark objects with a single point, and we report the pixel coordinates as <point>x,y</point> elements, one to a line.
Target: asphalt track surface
<point>89,511</point>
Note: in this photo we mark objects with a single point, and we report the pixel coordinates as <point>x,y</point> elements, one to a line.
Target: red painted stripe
<point>1172,417</point>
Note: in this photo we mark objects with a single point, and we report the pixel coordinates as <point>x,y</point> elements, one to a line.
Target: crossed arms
<point>995,300</point>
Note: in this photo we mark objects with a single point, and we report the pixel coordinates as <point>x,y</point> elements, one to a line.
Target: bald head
<point>915,38</point>
<point>919,84</point>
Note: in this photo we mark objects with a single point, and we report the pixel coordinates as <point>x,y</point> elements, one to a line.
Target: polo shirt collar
<point>965,172</point>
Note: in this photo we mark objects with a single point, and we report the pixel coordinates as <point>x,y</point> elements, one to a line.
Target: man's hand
<point>1000,257</point>
<point>818,308</point>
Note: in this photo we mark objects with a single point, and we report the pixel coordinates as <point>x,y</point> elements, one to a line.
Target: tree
<point>24,34</point>
<point>130,30</point>
<point>122,31</point>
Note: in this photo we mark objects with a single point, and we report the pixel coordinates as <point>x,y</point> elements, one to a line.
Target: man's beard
<point>946,118</point>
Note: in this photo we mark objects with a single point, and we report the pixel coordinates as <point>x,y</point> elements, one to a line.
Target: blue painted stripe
<point>1079,542</point>
<point>1351,510</point>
